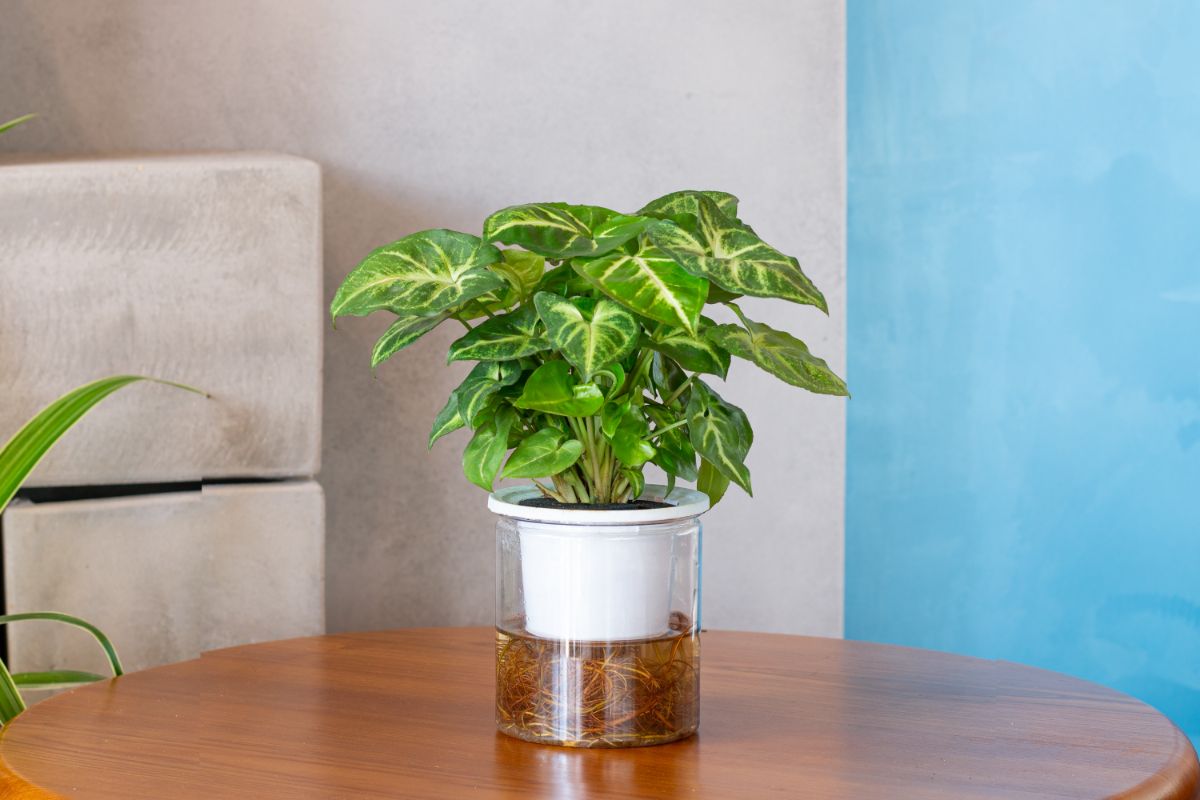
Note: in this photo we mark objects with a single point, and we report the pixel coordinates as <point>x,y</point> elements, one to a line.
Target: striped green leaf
<point>485,452</point>
<point>12,123</point>
<point>730,255</point>
<point>55,679</point>
<point>780,354</point>
<point>720,433</point>
<point>487,378</point>
<point>675,204</point>
<point>403,332</point>
<point>553,390</point>
<point>23,452</point>
<point>561,230</point>
<point>508,336</point>
<point>420,275</point>
<point>547,452</point>
<point>696,353</point>
<point>590,335</point>
<point>648,282</point>
<point>711,482</point>
<point>447,421</point>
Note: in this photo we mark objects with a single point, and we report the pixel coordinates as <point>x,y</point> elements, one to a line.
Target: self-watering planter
<point>597,619</point>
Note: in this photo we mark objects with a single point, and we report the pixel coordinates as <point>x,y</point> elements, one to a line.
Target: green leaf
<point>720,432</point>
<point>629,442</point>
<point>674,451</point>
<point>675,204</point>
<point>11,703</point>
<point>485,452</point>
<point>523,271</point>
<point>564,280</point>
<point>55,679</point>
<point>543,453</point>
<point>727,253</point>
<point>561,230</point>
<point>481,383</point>
<point>12,123</point>
<point>553,390</point>
<point>667,377</point>
<point>32,442</point>
<point>448,420</point>
<point>611,415</point>
<point>780,354</point>
<point>637,481</point>
<point>502,338</point>
<point>695,353</point>
<point>712,482</point>
<point>648,282</point>
<point>421,274</point>
<point>590,335</point>
<point>403,332</point>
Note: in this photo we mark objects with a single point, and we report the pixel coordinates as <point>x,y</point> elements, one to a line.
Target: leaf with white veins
<point>780,354</point>
<point>502,338</point>
<point>720,432</point>
<point>590,335</point>
<point>402,333</point>
<point>562,230</point>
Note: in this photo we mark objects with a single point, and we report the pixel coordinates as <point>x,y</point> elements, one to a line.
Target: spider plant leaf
<point>420,275</point>
<point>649,282</point>
<point>720,433</point>
<point>25,449</point>
<point>561,230</point>
<point>55,679</point>
<point>553,390</point>
<point>732,256</point>
<point>403,332</point>
<point>503,338</point>
<point>544,453</point>
<point>780,354</point>
<point>110,652</point>
<point>590,335</point>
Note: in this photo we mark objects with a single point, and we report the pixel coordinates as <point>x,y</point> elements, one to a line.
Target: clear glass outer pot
<point>598,621</point>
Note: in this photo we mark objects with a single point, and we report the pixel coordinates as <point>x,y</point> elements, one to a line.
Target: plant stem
<point>659,431</point>
<point>682,388</point>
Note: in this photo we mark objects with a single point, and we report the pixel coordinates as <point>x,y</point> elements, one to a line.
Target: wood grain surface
<point>410,714</point>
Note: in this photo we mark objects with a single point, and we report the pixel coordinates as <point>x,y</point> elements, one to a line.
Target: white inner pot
<point>599,575</point>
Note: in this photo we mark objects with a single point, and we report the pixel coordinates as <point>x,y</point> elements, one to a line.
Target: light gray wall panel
<point>435,114</point>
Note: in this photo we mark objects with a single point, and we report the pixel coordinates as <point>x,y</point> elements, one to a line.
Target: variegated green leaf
<point>54,679</point>
<point>710,481</point>
<point>590,335</point>
<point>675,453</point>
<point>695,353</point>
<point>448,419</point>
<point>780,354</point>
<point>421,274</point>
<point>522,270</point>
<point>508,336</point>
<point>487,378</point>
<point>553,390</point>
<point>734,258</point>
<point>637,481</point>
<point>561,230</point>
<point>485,452</point>
<point>403,332</point>
<point>648,282</point>
<point>720,432</point>
<point>564,280</point>
<point>667,377</point>
<point>674,204</point>
<point>547,452</point>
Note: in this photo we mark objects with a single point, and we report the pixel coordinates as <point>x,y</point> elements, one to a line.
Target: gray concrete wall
<point>435,114</point>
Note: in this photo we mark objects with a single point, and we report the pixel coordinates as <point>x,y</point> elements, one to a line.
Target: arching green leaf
<point>403,332</point>
<point>508,336</point>
<point>543,453</point>
<point>54,679</point>
<point>674,204</point>
<point>561,230</point>
<point>780,354</point>
<point>552,389</point>
<point>421,274</point>
<point>590,335</point>
<point>481,383</point>
<point>648,282</point>
<point>12,123</point>
<point>734,258</point>
<point>485,452</point>
<point>694,353</point>
<point>720,432</point>
<point>448,419</point>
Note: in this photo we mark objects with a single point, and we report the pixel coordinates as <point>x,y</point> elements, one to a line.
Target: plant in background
<point>12,123</point>
<point>591,339</point>
<point>17,459</point>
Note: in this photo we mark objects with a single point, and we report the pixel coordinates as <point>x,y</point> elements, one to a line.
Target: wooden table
<point>409,714</point>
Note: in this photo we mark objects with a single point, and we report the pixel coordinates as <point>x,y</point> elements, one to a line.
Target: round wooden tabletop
<point>410,714</point>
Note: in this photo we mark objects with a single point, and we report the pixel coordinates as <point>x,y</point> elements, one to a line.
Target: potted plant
<point>590,337</point>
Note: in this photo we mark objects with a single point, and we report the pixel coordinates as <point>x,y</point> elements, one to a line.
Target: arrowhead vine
<point>588,328</point>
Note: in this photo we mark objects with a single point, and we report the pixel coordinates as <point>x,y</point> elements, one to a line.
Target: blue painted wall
<point>1024,336</point>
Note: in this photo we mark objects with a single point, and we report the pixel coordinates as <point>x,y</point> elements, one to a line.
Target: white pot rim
<point>684,504</point>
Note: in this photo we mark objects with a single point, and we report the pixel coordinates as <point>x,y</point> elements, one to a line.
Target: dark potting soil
<point>550,502</point>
